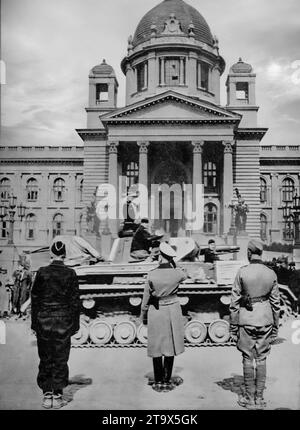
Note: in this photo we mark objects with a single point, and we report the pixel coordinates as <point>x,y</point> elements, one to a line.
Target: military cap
<point>167,250</point>
<point>255,246</point>
<point>58,248</point>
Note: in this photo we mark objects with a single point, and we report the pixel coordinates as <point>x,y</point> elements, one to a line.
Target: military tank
<point>111,294</point>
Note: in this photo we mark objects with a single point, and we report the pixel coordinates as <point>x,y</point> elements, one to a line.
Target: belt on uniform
<point>259,299</point>
<point>168,300</point>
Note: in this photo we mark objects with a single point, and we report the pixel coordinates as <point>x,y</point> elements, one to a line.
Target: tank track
<point>137,344</point>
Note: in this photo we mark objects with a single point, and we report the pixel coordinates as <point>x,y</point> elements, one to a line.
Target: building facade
<point>172,131</point>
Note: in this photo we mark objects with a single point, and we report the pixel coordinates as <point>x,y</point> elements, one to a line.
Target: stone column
<point>143,163</point>
<point>181,71</point>
<point>227,184</point>
<point>113,180</point>
<point>162,71</point>
<point>143,177</point>
<point>197,171</point>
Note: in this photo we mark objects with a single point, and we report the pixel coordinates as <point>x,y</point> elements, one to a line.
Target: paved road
<point>115,378</point>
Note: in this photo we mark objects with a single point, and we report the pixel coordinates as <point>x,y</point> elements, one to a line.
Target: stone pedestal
<point>242,242</point>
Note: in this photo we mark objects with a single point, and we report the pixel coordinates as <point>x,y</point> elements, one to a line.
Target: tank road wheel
<point>125,332</point>
<point>82,335</point>
<point>195,331</point>
<point>100,332</point>
<point>219,331</point>
<point>142,334</point>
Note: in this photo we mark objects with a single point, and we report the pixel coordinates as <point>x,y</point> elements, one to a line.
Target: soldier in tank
<point>255,307</point>
<point>55,308</point>
<point>161,310</point>
<point>143,241</point>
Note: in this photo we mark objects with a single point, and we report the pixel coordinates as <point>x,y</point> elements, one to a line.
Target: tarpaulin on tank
<point>78,251</point>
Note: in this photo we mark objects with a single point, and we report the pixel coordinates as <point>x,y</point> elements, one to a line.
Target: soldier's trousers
<point>54,343</point>
<point>254,342</point>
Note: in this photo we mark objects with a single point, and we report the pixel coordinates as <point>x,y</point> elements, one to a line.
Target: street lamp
<point>11,210</point>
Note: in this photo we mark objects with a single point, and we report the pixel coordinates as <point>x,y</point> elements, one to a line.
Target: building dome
<point>183,12</point>
<point>241,67</point>
<point>103,69</point>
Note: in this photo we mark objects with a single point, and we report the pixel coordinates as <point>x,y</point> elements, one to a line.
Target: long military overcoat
<point>165,324</point>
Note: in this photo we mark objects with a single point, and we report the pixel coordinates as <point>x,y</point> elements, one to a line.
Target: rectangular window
<point>4,229</point>
<point>101,93</point>
<point>172,71</point>
<point>242,91</point>
<point>142,76</point>
<point>204,76</point>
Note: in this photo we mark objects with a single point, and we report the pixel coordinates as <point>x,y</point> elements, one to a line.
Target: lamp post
<point>11,211</point>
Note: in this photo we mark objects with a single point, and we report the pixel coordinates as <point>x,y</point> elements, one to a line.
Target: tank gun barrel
<point>224,249</point>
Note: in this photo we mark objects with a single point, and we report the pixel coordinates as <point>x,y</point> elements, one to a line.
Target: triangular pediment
<point>171,106</point>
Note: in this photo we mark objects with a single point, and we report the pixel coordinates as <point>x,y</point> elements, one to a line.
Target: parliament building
<point>172,130</point>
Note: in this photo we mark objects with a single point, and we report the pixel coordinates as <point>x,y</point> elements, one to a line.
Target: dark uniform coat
<point>165,320</point>
<point>55,308</point>
<point>260,283</point>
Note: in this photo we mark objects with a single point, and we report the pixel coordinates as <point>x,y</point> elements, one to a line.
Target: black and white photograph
<point>149,208</point>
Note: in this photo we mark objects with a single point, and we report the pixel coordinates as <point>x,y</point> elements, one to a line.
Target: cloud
<point>49,46</point>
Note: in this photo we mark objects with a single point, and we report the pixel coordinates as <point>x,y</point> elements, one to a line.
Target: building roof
<point>241,67</point>
<point>183,12</point>
<point>103,69</point>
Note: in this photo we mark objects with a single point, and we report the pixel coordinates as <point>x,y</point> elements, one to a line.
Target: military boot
<point>168,367</point>
<point>261,375</point>
<point>247,401</point>
<point>158,374</point>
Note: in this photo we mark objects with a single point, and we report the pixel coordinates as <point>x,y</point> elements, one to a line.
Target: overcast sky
<point>49,46</point>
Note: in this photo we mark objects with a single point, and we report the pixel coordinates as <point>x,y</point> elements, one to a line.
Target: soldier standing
<point>22,284</point>
<point>55,318</point>
<point>161,310</point>
<point>254,322</point>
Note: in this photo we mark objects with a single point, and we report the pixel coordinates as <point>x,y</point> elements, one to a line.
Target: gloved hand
<point>234,330</point>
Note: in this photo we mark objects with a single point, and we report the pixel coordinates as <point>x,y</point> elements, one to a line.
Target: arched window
<point>30,226</point>
<point>288,188</point>
<point>263,227</point>
<point>263,190</point>
<point>57,225</point>
<point>210,218</point>
<point>210,176</point>
<point>32,190</point>
<point>59,190</point>
<point>5,188</point>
